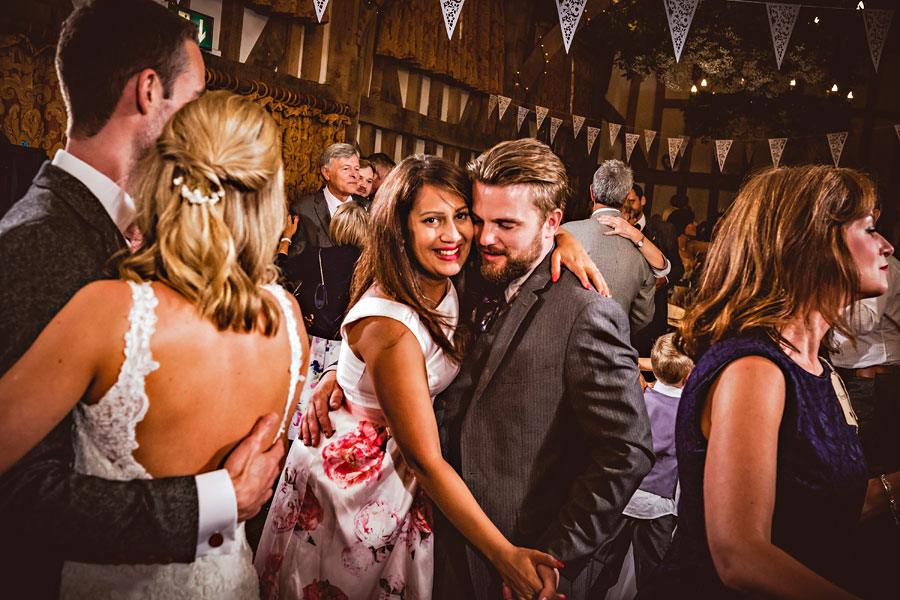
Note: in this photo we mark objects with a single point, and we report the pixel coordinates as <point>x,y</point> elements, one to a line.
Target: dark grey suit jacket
<point>54,241</point>
<point>548,430</point>
<point>312,230</point>
<point>628,274</point>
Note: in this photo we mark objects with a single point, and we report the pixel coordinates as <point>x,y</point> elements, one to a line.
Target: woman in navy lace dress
<point>773,477</point>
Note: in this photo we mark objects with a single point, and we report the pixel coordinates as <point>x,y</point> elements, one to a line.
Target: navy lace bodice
<point>820,485</point>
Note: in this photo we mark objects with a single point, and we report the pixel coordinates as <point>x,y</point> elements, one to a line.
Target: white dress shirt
<point>876,324</point>
<point>215,492</point>
<point>333,201</point>
<point>513,288</point>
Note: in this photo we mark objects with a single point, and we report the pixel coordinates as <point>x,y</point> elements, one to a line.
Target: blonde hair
<point>349,225</point>
<point>779,253</point>
<point>216,255</point>
<point>529,162</point>
<point>669,365</point>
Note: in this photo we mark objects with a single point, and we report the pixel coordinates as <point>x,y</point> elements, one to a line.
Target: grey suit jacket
<point>628,274</point>
<point>312,230</point>
<point>53,241</point>
<point>548,429</point>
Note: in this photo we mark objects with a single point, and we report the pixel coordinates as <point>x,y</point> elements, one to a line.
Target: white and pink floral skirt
<point>348,521</point>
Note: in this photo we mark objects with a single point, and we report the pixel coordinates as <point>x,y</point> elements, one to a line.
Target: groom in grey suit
<point>545,422</point>
<point>58,238</point>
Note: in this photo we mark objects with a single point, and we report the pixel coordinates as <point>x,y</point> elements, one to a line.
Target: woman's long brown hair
<point>779,253</point>
<point>386,258</point>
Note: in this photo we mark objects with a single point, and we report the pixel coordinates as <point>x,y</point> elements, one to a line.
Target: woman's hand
<point>519,569</point>
<point>291,228</point>
<point>620,227</point>
<point>571,253</point>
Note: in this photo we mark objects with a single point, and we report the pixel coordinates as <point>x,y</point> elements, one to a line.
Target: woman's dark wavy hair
<point>779,253</point>
<point>388,259</point>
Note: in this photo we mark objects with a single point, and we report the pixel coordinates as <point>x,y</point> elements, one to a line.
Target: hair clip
<point>196,196</point>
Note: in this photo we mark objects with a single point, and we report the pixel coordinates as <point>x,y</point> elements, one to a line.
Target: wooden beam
<point>271,45</point>
<point>231,28</point>
<point>679,179</point>
<point>313,42</point>
<point>394,118</point>
<point>290,62</point>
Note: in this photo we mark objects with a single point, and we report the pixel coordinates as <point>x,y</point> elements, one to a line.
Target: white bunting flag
<point>776,148</point>
<point>631,140</point>
<point>592,137</point>
<point>451,10</point>
<point>613,132</point>
<point>781,21</point>
<point>554,127</point>
<point>686,139</point>
<point>649,136</point>
<point>320,8</point>
<point>877,23</point>
<point>569,14</point>
<point>722,148</point>
<point>836,143</point>
<point>577,122</point>
<point>897,129</point>
<point>674,148</point>
<point>492,104</point>
<point>503,102</point>
<point>541,113</point>
<point>520,118</point>
<point>680,13</point>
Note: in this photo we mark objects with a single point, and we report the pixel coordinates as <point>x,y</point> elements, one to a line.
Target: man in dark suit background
<point>125,67</point>
<point>665,237</point>
<point>339,166</point>
<point>545,421</point>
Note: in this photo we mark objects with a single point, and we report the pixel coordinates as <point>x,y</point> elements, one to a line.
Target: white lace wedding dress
<point>104,443</point>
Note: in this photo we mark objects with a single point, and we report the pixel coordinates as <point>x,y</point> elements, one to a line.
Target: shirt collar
<point>513,288</point>
<point>333,201</point>
<point>667,390</point>
<point>642,222</point>
<point>606,210</point>
<point>118,205</point>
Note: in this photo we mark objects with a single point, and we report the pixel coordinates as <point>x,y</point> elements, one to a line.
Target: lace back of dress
<point>296,350</point>
<point>106,430</point>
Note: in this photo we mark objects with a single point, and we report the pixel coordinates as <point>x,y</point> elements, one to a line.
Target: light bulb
<point>816,20</point>
<point>850,96</point>
<point>703,82</point>
<point>793,82</point>
<point>834,88</point>
<point>693,89</point>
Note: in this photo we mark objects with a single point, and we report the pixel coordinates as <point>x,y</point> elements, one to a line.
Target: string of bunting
<point>676,144</point>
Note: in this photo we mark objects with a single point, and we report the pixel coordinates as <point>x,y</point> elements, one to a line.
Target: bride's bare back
<point>208,392</point>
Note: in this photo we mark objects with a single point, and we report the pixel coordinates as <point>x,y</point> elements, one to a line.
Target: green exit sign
<point>204,26</point>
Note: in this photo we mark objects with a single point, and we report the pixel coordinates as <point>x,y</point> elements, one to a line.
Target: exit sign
<point>204,26</point>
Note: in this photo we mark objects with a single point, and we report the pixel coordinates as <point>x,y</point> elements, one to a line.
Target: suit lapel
<point>73,192</point>
<point>322,211</point>
<point>510,323</point>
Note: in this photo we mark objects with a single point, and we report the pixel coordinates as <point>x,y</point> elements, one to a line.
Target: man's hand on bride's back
<point>327,396</point>
<point>253,466</point>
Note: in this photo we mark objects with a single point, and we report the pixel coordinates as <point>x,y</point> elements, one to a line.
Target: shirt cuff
<point>217,526</point>
<point>660,273</point>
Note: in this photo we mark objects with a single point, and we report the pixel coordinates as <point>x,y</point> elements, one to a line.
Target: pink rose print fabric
<point>356,457</point>
<point>348,519</point>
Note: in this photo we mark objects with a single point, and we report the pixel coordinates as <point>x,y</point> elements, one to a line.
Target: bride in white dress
<point>171,365</point>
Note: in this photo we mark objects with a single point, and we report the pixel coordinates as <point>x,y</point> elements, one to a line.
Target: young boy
<point>650,514</point>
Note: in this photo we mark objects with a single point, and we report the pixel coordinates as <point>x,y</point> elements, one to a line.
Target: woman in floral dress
<point>349,519</point>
